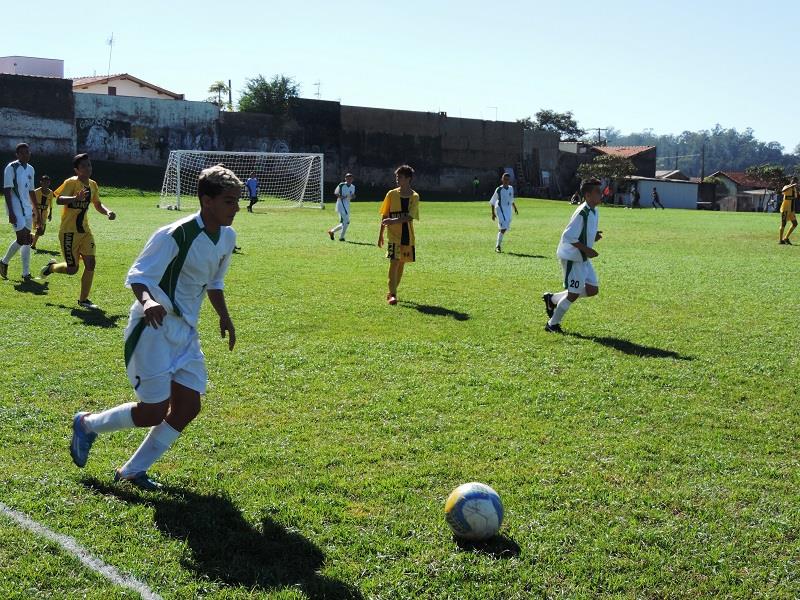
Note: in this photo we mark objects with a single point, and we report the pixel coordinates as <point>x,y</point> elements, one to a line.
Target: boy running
<point>44,200</point>
<point>344,192</point>
<point>252,190</point>
<point>398,212</point>
<point>76,194</point>
<point>23,212</point>
<point>656,199</point>
<point>180,265</point>
<point>502,202</point>
<point>575,252</point>
<point>790,195</point>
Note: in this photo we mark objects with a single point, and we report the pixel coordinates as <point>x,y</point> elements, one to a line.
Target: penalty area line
<point>71,546</point>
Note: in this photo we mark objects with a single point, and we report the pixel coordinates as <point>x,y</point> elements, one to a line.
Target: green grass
<point>651,452</point>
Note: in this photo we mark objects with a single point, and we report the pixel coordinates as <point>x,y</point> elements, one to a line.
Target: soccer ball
<point>474,511</point>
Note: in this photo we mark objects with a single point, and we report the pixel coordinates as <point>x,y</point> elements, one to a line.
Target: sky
<point>633,65</point>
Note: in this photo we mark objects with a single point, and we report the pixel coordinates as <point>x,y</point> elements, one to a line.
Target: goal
<point>284,179</point>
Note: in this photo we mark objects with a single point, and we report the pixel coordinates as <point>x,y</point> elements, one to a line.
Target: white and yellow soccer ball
<point>474,511</point>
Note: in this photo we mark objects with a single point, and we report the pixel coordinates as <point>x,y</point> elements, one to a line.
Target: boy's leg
<point>499,238</point>
<point>400,267</point>
<point>68,250</point>
<point>791,229</point>
<point>343,226</point>
<point>87,278</point>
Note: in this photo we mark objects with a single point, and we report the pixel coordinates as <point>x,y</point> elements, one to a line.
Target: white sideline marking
<point>82,554</point>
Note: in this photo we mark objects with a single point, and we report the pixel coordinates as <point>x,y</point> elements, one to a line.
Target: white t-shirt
<point>344,193</point>
<point>582,228</point>
<point>502,199</point>
<point>20,194</point>
<point>178,263</point>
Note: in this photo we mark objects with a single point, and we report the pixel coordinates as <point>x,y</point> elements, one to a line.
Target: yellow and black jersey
<point>395,206</point>
<point>791,198</point>
<point>73,216</point>
<point>44,200</point>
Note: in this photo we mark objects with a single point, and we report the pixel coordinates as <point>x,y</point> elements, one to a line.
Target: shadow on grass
<point>91,317</point>
<point>359,243</point>
<point>437,311</point>
<point>224,547</point>
<point>48,252</point>
<point>629,347</point>
<point>32,287</point>
<point>520,255</point>
<point>498,546</point>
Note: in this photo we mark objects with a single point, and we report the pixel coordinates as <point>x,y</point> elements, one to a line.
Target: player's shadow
<point>520,255</point>
<point>91,317</point>
<point>32,287</point>
<point>632,348</point>
<point>359,243</point>
<point>48,252</point>
<point>437,311</point>
<point>224,547</point>
<point>498,546</point>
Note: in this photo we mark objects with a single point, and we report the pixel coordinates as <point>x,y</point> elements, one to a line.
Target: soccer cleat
<point>392,300</point>
<point>341,239</point>
<point>26,278</point>
<point>330,234</point>
<point>497,249</point>
<point>549,307</point>
<point>787,242</point>
<point>81,440</point>
<point>3,270</point>
<point>553,328</point>
<point>782,242</point>
<point>87,304</point>
<point>46,269</point>
<point>141,480</point>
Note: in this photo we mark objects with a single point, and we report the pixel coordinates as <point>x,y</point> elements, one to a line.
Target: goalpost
<point>286,180</point>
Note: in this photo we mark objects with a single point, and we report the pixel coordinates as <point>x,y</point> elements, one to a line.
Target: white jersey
<point>582,228</point>
<point>179,262</point>
<point>21,181</point>
<point>344,193</point>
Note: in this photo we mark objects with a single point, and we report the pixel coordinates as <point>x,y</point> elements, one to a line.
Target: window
<point>112,91</point>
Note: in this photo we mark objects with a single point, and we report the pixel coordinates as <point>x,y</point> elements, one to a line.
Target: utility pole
<point>703,163</point>
<point>230,96</point>
<point>317,83</point>
<point>598,130</point>
<point>110,42</point>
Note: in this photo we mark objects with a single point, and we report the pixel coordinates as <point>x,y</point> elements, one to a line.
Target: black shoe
<point>3,270</point>
<point>549,307</point>
<point>787,242</point>
<point>782,242</point>
<point>553,328</point>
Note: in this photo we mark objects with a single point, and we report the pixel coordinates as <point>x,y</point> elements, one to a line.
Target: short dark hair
<point>214,180</point>
<point>588,184</point>
<point>79,158</point>
<point>20,146</point>
<point>506,174</point>
<point>405,171</point>
<point>45,177</point>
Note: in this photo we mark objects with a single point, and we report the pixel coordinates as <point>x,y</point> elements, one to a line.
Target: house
<point>732,187</point>
<point>675,174</point>
<point>642,157</point>
<point>122,84</point>
<point>573,154</point>
<point>32,66</point>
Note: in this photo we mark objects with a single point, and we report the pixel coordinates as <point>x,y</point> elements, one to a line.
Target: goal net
<point>283,179</point>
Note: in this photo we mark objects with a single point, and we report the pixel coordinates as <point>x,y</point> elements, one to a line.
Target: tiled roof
<point>624,151</point>
<point>743,179</point>
<point>85,81</point>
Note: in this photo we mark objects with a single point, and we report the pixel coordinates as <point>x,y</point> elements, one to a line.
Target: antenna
<point>317,84</point>
<point>495,111</point>
<point>110,42</point>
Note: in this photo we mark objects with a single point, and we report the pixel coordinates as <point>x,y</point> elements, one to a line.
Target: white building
<point>28,65</point>
<point>122,84</point>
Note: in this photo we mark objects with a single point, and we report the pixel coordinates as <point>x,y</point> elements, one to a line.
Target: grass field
<point>652,452</point>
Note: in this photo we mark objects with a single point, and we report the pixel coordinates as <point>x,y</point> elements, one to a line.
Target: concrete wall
<point>142,131</point>
<point>445,152</point>
<point>37,110</point>
<point>672,193</point>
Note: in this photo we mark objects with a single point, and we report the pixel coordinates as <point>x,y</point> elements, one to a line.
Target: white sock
<point>344,228</point>
<point>559,296</point>
<point>12,250</point>
<point>113,419</point>
<point>337,228</point>
<point>25,253</point>
<point>158,441</point>
<point>499,238</point>
<point>561,308</point>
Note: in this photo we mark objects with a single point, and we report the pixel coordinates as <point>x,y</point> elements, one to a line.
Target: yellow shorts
<point>400,252</point>
<point>74,245</point>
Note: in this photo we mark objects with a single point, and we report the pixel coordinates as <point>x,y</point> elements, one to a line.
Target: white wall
<point>672,194</point>
<point>28,65</point>
<point>125,87</point>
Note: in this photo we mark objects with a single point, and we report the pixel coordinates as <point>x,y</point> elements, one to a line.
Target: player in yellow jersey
<point>44,199</point>
<point>76,194</point>
<point>398,212</point>
<point>791,195</point>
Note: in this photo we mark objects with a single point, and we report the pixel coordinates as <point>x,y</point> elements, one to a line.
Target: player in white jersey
<point>502,203</point>
<point>21,207</point>
<point>575,252</point>
<point>180,265</point>
<point>344,192</point>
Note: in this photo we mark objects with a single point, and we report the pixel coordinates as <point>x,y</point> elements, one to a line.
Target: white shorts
<point>343,210</point>
<point>154,358</point>
<point>503,218</point>
<point>24,221</point>
<point>577,275</point>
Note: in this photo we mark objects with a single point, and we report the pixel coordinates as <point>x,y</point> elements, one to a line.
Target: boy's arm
<point>37,215</point>
<point>514,205</point>
<point>217,299</point>
<point>101,208</point>
<point>154,313</point>
<point>12,217</point>
<point>380,235</point>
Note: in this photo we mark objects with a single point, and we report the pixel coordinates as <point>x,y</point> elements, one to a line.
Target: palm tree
<point>219,88</point>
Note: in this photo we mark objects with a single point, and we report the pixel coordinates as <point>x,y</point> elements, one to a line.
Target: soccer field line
<point>82,554</point>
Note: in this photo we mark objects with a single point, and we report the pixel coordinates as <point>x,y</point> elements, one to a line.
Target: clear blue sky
<point>670,67</point>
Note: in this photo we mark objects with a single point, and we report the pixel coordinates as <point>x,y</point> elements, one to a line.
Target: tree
<point>272,97</point>
<point>607,166</point>
<point>773,175</point>
<point>220,88</point>
<point>549,120</point>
